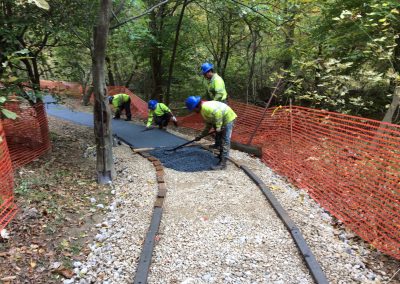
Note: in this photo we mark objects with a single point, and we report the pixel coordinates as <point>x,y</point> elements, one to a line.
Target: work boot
<point>214,146</point>
<point>128,119</point>
<point>221,165</point>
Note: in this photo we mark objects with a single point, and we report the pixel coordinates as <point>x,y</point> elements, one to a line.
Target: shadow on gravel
<point>189,159</point>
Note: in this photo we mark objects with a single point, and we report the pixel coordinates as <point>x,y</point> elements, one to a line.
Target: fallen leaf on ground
<point>67,273</point>
<point>8,278</point>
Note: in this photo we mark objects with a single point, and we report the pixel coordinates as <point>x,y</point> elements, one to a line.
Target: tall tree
<point>172,61</point>
<point>102,113</point>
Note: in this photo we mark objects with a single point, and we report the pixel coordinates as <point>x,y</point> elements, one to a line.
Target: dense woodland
<point>339,55</point>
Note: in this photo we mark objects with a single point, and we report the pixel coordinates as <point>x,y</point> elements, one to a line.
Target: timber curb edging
<point>143,267</point>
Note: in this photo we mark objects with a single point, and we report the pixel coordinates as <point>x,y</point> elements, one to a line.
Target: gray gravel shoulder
<point>117,246</point>
<point>218,228</point>
<point>340,253</point>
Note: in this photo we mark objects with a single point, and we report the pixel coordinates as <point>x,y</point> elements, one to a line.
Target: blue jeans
<point>226,139</point>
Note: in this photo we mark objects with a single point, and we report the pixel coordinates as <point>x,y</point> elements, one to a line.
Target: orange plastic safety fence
<point>28,135</point>
<point>61,87</point>
<point>7,207</point>
<point>349,165</point>
<point>138,106</point>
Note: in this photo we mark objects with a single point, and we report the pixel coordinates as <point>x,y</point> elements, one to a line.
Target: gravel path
<point>218,228</point>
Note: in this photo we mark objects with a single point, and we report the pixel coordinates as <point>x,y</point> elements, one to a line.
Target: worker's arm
<point>150,119</point>
<point>218,120</point>
<point>218,89</point>
<point>206,129</point>
<point>166,109</point>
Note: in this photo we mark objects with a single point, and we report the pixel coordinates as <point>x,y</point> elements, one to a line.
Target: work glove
<point>218,130</point>
<point>197,138</point>
<point>175,121</point>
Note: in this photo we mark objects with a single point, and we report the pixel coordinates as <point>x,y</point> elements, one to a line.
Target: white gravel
<point>118,244</point>
<point>217,227</point>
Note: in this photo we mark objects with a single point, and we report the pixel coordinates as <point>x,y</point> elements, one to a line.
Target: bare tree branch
<point>255,11</point>
<point>139,16</point>
<point>119,8</point>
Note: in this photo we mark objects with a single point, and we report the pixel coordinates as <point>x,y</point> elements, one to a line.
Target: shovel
<point>187,143</point>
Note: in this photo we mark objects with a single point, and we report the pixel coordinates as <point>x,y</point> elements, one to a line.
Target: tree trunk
<point>128,81</point>
<point>87,92</point>
<point>102,114</point>
<point>393,106</point>
<point>156,53</point>
<point>111,81</point>
<point>171,64</point>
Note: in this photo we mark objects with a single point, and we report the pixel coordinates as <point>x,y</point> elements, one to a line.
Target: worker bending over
<point>160,113</point>
<point>216,86</point>
<point>218,115</point>
<point>121,102</point>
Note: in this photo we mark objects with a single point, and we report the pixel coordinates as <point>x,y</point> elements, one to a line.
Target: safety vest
<point>160,110</point>
<point>216,89</point>
<point>216,114</point>
<point>119,100</point>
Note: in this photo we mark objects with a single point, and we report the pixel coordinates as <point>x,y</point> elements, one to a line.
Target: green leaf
<point>9,114</point>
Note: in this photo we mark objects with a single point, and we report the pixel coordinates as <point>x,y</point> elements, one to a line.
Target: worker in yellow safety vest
<point>121,102</point>
<point>160,113</point>
<point>216,86</point>
<point>221,117</point>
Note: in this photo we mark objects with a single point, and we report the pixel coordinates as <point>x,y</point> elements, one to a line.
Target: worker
<point>215,90</point>
<point>121,102</point>
<point>220,116</point>
<point>215,87</point>
<point>161,115</point>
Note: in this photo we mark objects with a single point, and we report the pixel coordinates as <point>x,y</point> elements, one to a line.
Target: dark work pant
<point>162,121</point>
<point>127,107</point>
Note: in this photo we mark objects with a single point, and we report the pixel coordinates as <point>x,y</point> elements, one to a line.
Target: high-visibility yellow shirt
<point>216,114</point>
<point>216,89</point>
<point>160,110</point>
<point>119,100</point>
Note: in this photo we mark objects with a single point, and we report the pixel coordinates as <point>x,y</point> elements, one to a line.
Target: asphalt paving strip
<point>127,131</point>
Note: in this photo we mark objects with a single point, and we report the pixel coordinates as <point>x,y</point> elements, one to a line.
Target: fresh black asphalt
<point>187,159</point>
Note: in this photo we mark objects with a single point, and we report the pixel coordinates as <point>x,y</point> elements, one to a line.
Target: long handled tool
<point>189,142</point>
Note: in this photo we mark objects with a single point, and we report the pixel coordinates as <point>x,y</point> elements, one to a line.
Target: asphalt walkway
<point>188,159</point>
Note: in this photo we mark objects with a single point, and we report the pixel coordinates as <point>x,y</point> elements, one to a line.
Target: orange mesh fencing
<point>138,106</point>
<point>7,207</point>
<point>28,135</point>
<point>349,165</point>
<point>61,87</point>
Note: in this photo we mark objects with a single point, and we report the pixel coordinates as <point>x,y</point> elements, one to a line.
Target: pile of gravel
<point>189,159</point>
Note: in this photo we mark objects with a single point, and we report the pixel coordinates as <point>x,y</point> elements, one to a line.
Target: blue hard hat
<point>205,67</point>
<point>192,102</point>
<point>110,99</point>
<point>152,104</point>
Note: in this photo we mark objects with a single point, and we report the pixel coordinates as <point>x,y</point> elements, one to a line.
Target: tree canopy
<point>339,55</point>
